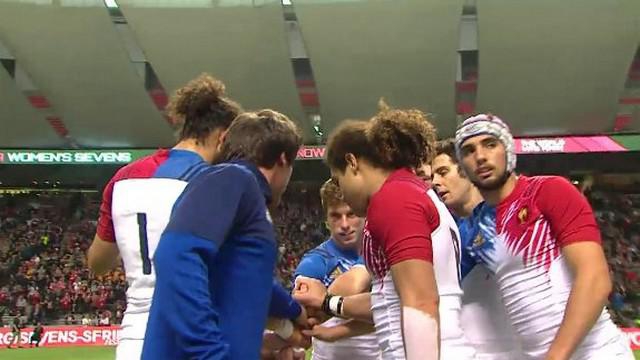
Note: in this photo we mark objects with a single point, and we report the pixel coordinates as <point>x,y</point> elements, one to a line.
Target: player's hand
<point>299,340</point>
<point>301,320</point>
<point>328,334</point>
<point>289,354</point>
<point>316,318</point>
<point>272,342</point>
<point>309,292</point>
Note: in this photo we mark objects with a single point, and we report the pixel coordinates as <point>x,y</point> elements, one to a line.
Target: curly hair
<point>350,137</point>
<point>200,107</point>
<point>392,139</point>
<point>402,138</point>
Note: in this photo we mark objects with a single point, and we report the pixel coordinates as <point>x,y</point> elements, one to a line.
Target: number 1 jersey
<point>136,207</point>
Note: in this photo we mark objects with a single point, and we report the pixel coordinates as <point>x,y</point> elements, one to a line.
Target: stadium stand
<point>44,238</point>
<point>43,243</point>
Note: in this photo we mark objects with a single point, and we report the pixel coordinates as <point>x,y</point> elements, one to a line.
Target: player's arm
<point>574,226</point>
<point>283,305</point>
<point>103,254</point>
<point>355,281</point>
<point>415,282</point>
<point>403,222</point>
<point>313,294</point>
<point>341,331</point>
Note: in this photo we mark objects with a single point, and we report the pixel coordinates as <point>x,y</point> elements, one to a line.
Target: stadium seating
<point>44,238</point>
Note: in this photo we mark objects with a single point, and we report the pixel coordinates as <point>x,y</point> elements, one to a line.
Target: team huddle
<point>438,249</point>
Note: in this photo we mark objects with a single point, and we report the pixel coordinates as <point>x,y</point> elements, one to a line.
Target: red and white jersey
<point>521,244</point>
<point>484,318</point>
<point>405,220</point>
<point>136,206</point>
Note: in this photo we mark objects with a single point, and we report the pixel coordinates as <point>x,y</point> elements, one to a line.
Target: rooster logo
<point>523,215</point>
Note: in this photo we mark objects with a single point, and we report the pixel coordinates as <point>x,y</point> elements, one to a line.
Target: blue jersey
<point>326,262</point>
<point>214,267</point>
<point>477,233</point>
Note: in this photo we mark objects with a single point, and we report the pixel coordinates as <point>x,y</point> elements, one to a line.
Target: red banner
<point>66,336</point>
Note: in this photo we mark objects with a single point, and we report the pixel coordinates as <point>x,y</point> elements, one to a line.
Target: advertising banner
<point>572,144</point>
<point>66,336</point>
<point>55,336</point>
<point>634,337</point>
<point>72,157</point>
<point>541,145</point>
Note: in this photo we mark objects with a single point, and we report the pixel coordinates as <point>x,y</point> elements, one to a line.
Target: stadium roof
<point>96,73</point>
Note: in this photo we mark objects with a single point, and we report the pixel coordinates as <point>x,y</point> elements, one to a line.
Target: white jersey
<point>484,318</point>
<point>403,188</point>
<point>520,242</point>
<point>135,210</point>
<point>364,347</point>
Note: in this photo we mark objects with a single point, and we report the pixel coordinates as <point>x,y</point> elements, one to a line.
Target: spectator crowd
<point>44,238</point>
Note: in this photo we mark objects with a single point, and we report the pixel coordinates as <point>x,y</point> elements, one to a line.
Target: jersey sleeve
<point>104,229</point>
<point>282,305</point>
<point>568,212</point>
<point>398,217</point>
<point>182,310</point>
<point>312,265</point>
<point>214,204</point>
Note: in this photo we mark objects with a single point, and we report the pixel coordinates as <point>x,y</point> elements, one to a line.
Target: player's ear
<point>352,162</point>
<point>282,160</point>
<point>221,135</point>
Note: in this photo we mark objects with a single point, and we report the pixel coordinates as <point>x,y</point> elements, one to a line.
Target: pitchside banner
<point>55,336</point>
<point>67,336</point>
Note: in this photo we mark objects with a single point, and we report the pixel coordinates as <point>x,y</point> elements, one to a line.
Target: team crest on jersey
<point>523,215</point>
<point>337,272</point>
<point>478,241</point>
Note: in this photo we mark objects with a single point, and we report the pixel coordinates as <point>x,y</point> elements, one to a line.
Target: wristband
<point>284,329</point>
<point>333,305</point>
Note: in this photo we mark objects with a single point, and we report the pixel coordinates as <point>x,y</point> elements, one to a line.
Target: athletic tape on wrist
<point>284,329</point>
<point>333,304</point>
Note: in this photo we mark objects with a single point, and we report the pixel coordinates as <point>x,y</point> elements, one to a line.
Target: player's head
<point>486,151</point>
<point>202,112</point>
<point>392,139</point>
<point>449,180</point>
<point>342,222</point>
<point>268,139</point>
<point>425,172</point>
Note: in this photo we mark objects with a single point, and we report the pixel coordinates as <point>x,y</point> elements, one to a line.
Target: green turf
<point>88,353</point>
<point>84,353</point>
